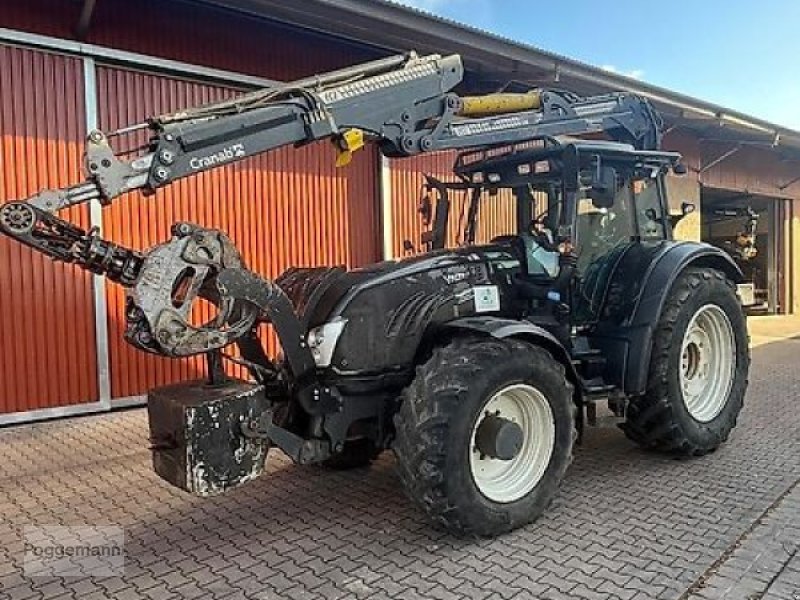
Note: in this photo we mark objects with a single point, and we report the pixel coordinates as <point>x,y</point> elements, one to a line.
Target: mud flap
<point>196,435</point>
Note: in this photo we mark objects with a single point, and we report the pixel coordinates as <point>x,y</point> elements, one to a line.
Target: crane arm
<point>405,104</point>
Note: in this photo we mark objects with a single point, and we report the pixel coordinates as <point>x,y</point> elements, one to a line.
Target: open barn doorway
<point>747,226</point>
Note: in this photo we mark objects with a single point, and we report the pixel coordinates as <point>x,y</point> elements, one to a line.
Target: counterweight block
<point>196,434</point>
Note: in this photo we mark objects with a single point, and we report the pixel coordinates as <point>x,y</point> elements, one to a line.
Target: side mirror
<point>604,187</point>
<point>687,208</point>
<point>425,209</point>
<point>680,169</point>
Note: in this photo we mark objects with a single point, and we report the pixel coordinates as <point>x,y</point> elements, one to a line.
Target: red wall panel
<point>47,347</point>
<point>193,33</point>
<point>286,208</point>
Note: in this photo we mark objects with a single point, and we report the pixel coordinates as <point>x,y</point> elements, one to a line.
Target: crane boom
<point>405,104</point>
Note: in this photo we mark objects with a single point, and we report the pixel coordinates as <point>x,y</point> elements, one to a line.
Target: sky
<point>741,54</point>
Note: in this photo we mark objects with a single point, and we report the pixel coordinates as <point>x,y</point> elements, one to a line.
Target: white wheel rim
<point>509,480</point>
<point>708,362</point>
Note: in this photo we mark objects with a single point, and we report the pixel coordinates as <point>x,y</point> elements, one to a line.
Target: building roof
<point>490,58</point>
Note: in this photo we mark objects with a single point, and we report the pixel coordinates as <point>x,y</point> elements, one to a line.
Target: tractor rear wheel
<point>698,368</point>
<point>485,434</point>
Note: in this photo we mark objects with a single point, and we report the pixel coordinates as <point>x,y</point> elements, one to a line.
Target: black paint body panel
<point>390,311</point>
<point>635,296</point>
<point>391,307</point>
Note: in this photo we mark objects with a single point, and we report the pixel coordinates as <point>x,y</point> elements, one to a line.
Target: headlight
<point>322,341</point>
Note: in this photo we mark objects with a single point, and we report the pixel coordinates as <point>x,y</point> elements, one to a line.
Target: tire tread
<point>650,419</point>
<point>422,422</point>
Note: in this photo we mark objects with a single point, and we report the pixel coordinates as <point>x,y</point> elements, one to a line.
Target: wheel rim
<point>509,480</point>
<point>708,362</point>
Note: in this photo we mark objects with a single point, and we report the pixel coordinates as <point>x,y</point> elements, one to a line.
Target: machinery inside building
<point>745,226</point>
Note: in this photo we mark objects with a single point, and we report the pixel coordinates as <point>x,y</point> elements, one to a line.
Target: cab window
<point>650,217</point>
<point>602,229</point>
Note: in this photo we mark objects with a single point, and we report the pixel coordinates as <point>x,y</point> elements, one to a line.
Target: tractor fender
<point>646,312</point>
<point>522,330</point>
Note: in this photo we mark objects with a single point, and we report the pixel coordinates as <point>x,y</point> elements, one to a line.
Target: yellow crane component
<point>347,143</point>
<point>495,104</point>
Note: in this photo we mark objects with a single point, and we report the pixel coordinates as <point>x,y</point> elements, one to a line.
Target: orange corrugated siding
<point>192,32</point>
<point>496,215</point>
<point>289,207</point>
<point>47,349</point>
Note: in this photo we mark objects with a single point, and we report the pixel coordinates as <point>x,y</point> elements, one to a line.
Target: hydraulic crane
<point>405,103</point>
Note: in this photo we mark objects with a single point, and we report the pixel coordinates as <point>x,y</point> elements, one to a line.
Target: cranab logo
<point>227,154</point>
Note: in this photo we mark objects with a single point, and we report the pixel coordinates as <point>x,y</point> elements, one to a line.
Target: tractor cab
<point>580,207</point>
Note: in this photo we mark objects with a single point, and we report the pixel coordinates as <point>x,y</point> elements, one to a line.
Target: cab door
<point>616,244</point>
<point>603,234</point>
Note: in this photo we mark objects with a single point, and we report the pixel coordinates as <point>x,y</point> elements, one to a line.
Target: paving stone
<point>627,524</point>
<point>762,562</point>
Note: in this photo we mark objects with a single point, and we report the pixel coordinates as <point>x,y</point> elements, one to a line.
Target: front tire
<point>458,444</point>
<point>698,368</point>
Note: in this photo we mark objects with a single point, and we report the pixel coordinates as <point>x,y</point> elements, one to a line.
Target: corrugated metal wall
<point>192,32</point>
<point>289,207</point>
<point>47,350</point>
<point>495,217</point>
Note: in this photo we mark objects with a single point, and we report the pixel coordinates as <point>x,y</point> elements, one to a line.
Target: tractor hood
<point>388,307</point>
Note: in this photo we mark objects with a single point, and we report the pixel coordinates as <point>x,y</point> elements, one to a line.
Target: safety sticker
<point>487,298</point>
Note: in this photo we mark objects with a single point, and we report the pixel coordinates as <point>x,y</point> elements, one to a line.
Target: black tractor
<point>489,358</point>
<point>477,364</point>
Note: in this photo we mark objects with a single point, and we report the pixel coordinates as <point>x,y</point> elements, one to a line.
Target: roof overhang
<point>492,59</point>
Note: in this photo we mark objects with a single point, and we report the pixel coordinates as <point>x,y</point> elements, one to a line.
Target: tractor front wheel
<point>485,434</point>
<point>698,368</point>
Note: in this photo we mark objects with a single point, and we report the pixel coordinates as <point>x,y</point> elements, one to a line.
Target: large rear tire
<point>485,434</point>
<point>698,368</point>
